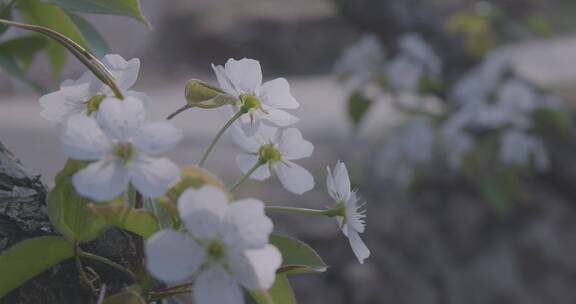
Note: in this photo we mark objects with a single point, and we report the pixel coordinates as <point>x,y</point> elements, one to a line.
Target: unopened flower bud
<point>202,95</point>
<point>193,177</point>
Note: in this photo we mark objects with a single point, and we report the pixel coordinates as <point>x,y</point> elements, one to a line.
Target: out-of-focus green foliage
<point>69,212</point>
<point>29,258</point>
<point>95,40</point>
<point>476,31</point>
<point>140,222</point>
<point>280,293</point>
<point>60,16</point>
<point>358,106</point>
<point>128,8</point>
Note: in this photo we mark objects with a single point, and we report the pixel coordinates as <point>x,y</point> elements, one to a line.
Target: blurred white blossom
<point>123,149</point>
<point>361,61</point>
<point>352,222</point>
<point>225,247</point>
<point>84,95</point>
<point>410,145</point>
<point>519,148</point>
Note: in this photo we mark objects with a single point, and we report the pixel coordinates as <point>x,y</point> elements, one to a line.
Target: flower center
<point>269,153</point>
<point>250,102</point>
<point>124,151</point>
<point>216,250</point>
<point>93,103</point>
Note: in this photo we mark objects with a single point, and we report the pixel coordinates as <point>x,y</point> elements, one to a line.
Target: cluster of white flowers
<point>223,245</point>
<point>491,98</point>
<point>112,133</point>
<point>262,132</point>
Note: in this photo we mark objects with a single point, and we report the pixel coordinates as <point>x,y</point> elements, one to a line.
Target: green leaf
<point>68,211</point>
<point>129,8</point>
<point>166,214</point>
<point>9,64</point>
<point>280,293</point>
<point>297,256</point>
<point>29,258</point>
<point>94,38</point>
<point>501,190</point>
<point>550,122</point>
<point>5,13</point>
<point>358,105</point>
<point>140,222</point>
<point>52,17</point>
<point>24,48</point>
<point>127,297</point>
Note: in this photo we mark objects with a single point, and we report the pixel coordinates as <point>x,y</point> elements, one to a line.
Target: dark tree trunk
<point>23,215</point>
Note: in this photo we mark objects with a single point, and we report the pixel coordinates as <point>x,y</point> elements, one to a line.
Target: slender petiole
<point>246,175</point>
<point>107,262</point>
<point>218,136</point>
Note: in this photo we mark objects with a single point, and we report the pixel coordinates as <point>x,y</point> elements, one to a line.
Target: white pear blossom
<point>264,101</point>
<point>278,147</point>
<point>123,149</point>
<point>352,222</point>
<point>520,148</point>
<point>361,61</point>
<point>82,96</point>
<point>226,247</point>
<point>411,145</point>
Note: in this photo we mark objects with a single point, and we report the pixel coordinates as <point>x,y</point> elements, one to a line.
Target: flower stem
<point>296,210</point>
<point>246,175</point>
<point>87,58</point>
<point>338,210</point>
<point>85,280</point>
<point>219,135</point>
<point>107,262</point>
<point>182,109</point>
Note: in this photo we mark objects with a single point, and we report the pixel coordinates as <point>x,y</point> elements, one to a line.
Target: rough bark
<point>23,215</point>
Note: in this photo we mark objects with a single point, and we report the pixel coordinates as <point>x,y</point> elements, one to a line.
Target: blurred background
<point>455,119</point>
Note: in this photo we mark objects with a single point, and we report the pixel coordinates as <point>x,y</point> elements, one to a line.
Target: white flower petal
<point>246,225</point>
<point>294,178</point>
<point>330,184</point>
<point>120,119</point>
<point>173,256</point>
<point>56,108</point>
<point>246,161</point>
<point>153,176</point>
<point>146,100</point>
<point>256,268</point>
<point>293,146</point>
<point>202,210</point>
<point>276,93</point>
<point>101,180</point>
<point>80,90</point>
<point>248,126</point>
<point>358,247</point>
<point>342,181</point>
<point>157,137</point>
<point>250,144</point>
<point>245,74</point>
<point>279,118</point>
<point>354,219</point>
<point>225,83</point>
<point>125,72</point>
<point>82,139</point>
<point>215,286</point>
